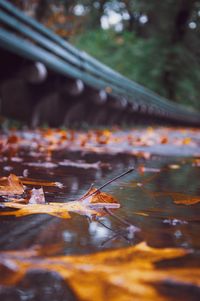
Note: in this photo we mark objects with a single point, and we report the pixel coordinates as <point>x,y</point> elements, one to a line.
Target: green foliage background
<point>145,61</point>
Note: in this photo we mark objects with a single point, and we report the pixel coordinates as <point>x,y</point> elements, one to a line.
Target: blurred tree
<point>170,26</point>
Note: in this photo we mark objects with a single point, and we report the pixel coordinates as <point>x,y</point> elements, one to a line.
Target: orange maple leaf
<point>123,274</point>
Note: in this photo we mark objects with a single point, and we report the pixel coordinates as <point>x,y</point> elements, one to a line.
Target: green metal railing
<point>30,39</point>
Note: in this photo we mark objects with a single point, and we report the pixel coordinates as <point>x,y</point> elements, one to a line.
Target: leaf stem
<point>116,178</point>
<point>104,185</point>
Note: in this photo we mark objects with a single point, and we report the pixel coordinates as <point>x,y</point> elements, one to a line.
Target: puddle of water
<point>162,223</point>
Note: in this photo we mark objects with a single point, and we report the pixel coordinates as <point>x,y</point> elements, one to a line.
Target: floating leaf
<point>164,140</point>
<point>185,199</point>
<point>162,213</point>
<point>178,198</point>
<point>187,140</point>
<point>11,185</point>
<point>91,204</point>
<point>123,274</point>
<point>95,196</point>
<point>55,209</point>
<point>28,181</point>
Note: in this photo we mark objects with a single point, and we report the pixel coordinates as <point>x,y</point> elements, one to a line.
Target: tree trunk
<point>178,32</point>
<point>41,9</point>
<point>181,20</point>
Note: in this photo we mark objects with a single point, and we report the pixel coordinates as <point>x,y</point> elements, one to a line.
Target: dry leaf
<point>94,196</point>
<point>187,140</point>
<point>11,185</point>
<point>28,181</point>
<point>164,140</point>
<point>185,199</point>
<point>178,198</point>
<point>124,274</point>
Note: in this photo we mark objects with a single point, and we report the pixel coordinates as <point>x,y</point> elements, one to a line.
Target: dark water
<point>161,222</point>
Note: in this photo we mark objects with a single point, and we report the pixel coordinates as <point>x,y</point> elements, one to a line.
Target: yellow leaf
<point>125,274</point>
<point>91,204</point>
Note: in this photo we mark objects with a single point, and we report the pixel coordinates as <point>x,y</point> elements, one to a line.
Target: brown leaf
<point>28,181</point>
<point>94,196</point>
<point>178,198</point>
<point>185,199</point>
<point>11,185</point>
<point>123,274</point>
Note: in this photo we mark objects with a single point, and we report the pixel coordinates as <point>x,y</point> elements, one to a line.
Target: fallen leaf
<point>55,209</point>
<point>11,185</point>
<point>187,140</point>
<point>95,196</point>
<point>13,139</point>
<point>196,162</point>
<point>162,213</point>
<point>178,198</point>
<point>164,140</point>
<point>91,204</point>
<point>122,274</point>
<point>28,181</point>
<point>114,141</point>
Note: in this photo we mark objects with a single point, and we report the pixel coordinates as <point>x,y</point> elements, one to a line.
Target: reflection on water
<point>162,223</point>
<point>146,198</point>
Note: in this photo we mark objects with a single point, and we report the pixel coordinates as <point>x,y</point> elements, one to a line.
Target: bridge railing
<point>28,38</point>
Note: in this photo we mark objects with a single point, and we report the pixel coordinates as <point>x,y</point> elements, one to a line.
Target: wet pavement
<point>153,199</point>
